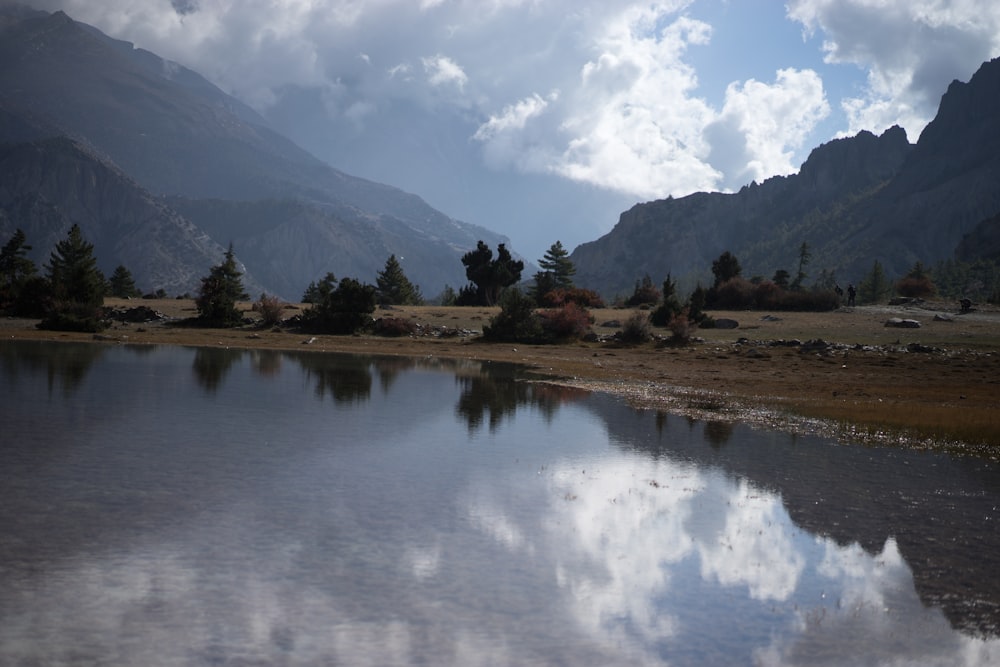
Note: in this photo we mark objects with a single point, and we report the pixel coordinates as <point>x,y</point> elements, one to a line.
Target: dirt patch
<point>843,372</point>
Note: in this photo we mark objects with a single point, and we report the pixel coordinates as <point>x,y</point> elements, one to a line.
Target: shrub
<point>569,322</point>
<point>636,329</point>
<point>670,307</point>
<point>734,294</point>
<point>816,301</point>
<point>681,327</point>
<point>582,297</point>
<point>270,308</point>
<point>768,295</point>
<point>696,305</point>
<point>516,321</point>
<point>34,298</point>
<point>916,287</point>
<point>73,317</point>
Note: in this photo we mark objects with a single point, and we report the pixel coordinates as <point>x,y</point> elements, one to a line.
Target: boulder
<point>136,314</point>
<point>900,323</point>
<point>814,345</point>
<point>726,323</point>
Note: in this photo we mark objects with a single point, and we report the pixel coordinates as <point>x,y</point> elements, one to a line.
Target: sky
<point>543,120</point>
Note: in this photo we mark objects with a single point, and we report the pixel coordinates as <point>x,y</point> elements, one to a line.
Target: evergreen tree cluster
<point>338,307</point>
<point>488,276</point>
<point>70,294</point>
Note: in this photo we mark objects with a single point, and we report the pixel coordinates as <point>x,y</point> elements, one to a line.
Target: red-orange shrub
<point>915,287</point>
<point>582,297</point>
<point>568,322</point>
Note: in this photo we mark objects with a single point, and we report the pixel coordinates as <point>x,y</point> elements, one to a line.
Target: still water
<point>171,506</point>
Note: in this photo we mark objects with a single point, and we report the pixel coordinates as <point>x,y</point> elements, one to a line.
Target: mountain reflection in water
<point>304,508</point>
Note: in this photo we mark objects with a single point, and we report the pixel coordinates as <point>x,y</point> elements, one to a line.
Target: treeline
<point>68,293</point>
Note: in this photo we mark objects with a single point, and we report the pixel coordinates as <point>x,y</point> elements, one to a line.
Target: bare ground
<point>939,383</point>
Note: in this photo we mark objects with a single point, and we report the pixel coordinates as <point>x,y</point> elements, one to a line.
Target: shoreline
<point>929,387</point>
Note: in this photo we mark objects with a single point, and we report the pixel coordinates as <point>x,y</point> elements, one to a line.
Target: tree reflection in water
<point>266,363</point>
<point>345,378</point>
<point>66,364</point>
<point>608,535</point>
<point>212,364</point>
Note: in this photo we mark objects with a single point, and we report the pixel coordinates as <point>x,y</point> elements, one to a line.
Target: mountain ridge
<point>855,200</point>
<point>177,135</point>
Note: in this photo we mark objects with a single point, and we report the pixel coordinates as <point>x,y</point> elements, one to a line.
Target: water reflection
<point>266,363</point>
<point>65,364</point>
<point>585,533</point>
<point>211,365</point>
<point>937,511</point>
<point>652,552</point>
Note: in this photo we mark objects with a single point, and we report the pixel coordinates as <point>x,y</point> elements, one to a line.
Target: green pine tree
<point>394,287</point>
<point>75,286</point>
<point>73,273</point>
<point>122,285</point>
<point>15,269</point>
<point>557,272</point>
<point>220,290</point>
<point>875,285</point>
<point>557,263</point>
<point>725,268</point>
<point>804,257</point>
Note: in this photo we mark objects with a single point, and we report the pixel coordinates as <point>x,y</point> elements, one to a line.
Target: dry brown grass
<point>953,394</point>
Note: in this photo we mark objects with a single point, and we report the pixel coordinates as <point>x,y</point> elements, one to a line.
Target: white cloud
<point>911,49</point>
<point>762,124</point>
<point>442,70</point>
<point>514,116</point>
<point>634,124</point>
<point>473,84</point>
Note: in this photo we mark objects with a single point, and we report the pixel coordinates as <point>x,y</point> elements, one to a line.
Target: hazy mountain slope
<point>854,201</point>
<point>317,239</point>
<point>175,133</point>
<point>48,185</point>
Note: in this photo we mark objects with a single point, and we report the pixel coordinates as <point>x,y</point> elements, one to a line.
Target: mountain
<point>48,185</point>
<point>176,135</point>
<point>854,201</point>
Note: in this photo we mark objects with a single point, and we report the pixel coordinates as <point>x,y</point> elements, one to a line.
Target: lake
<point>178,506</point>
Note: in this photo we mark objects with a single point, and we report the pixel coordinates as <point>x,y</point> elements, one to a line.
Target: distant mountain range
<point>162,170</point>
<point>855,201</point>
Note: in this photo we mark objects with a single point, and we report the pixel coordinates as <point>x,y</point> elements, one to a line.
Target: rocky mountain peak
<point>965,107</point>
<point>853,163</point>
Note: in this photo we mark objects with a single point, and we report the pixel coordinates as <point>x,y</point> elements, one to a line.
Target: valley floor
<point>930,386</point>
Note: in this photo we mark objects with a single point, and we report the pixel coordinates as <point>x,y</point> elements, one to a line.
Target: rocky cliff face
<point>48,185</point>
<point>175,134</point>
<point>759,224</point>
<point>854,201</point>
